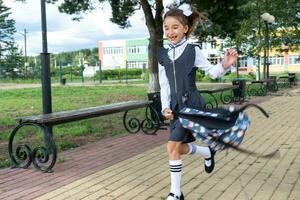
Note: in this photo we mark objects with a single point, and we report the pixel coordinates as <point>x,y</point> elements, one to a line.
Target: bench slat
<point>85,113</point>
<point>219,89</point>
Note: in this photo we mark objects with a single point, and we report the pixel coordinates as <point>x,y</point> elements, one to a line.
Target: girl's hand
<point>230,58</point>
<point>168,114</point>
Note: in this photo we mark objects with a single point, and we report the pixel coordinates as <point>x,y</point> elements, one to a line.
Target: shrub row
<point>119,74</point>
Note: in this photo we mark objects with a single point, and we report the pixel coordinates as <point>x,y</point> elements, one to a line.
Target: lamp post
<point>25,50</point>
<point>100,71</point>
<point>45,62</point>
<point>268,19</point>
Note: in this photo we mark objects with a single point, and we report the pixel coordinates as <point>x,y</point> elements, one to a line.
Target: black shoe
<point>177,197</point>
<point>212,163</point>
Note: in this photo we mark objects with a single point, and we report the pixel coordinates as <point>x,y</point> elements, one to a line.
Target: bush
<point>118,74</point>
<point>233,75</point>
<point>200,75</point>
<point>75,70</point>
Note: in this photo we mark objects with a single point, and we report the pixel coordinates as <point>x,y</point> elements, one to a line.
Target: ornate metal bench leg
<point>211,104</point>
<point>22,154</point>
<point>132,125</point>
<point>263,89</point>
<point>227,98</point>
<point>152,123</point>
<point>250,90</point>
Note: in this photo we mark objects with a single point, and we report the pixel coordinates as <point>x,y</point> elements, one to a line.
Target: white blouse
<point>214,71</point>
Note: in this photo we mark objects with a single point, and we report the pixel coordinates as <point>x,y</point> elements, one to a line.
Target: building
<point>112,54</point>
<point>115,54</point>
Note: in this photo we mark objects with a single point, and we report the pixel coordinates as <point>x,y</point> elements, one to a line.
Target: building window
<point>273,60</point>
<point>136,64</point>
<point>112,50</point>
<point>276,60</point>
<point>294,59</point>
<point>213,44</point>
<point>137,50</point>
<point>242,62</point>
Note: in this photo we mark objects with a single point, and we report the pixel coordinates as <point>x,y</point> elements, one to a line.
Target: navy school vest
<point>182,78</point>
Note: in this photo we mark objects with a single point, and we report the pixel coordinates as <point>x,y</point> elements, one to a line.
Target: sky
<point>64,34</point>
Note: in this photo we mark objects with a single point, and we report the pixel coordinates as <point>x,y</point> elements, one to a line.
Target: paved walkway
<point>136,166</point>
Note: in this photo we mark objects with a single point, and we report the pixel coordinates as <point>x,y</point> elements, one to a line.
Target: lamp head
<point>267,18</point>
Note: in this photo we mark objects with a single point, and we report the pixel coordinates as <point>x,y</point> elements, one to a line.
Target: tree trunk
<point>155,42</point>
<point>155,28</point>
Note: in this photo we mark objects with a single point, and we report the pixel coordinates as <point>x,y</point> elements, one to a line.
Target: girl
<point>177,71</point>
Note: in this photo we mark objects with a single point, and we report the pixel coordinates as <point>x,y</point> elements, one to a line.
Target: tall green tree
<point>284,31</point>
<point>7,28</point>
<point>13,61</point>
<point>222,18</point>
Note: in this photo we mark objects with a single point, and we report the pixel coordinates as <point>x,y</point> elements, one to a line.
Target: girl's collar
<point>172,46</point>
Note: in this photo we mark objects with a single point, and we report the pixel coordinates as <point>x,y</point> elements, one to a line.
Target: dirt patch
<point>6,127</point>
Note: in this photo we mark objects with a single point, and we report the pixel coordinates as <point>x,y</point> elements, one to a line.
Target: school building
<point>115,54</point>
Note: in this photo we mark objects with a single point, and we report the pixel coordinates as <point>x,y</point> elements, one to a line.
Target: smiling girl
<point>177,74</point>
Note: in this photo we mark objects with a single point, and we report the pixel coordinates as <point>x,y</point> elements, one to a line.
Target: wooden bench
<point>43,157</point>
<point>287,80</point>
<point>225,98</point>
<point>284,81</point>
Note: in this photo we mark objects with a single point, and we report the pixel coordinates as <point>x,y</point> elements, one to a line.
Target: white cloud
<point>64,34</point>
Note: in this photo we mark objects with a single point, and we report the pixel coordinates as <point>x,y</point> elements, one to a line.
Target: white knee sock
<point>175,173</point>
<point>204,151</point>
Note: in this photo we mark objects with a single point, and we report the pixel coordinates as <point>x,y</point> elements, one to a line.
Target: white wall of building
<point>114,54</point>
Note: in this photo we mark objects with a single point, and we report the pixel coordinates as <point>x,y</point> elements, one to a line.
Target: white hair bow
<point>186,8</point>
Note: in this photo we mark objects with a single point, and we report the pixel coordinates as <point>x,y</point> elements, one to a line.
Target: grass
<point>75,79</point>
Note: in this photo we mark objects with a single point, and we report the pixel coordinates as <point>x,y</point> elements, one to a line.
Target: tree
<point>285,30</point>
<point>13,61</point>
<point>222,18</point>
<point>7,29</point>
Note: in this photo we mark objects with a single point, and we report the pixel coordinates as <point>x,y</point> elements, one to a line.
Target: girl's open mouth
<point>173,38</point>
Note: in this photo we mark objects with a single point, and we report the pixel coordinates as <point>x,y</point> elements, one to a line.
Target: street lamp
<point>268,19</point>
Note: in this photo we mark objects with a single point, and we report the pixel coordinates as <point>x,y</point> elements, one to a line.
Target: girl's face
<point>174,29</point>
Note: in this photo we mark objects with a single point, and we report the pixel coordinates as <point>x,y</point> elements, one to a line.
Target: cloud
<point>64,34</point>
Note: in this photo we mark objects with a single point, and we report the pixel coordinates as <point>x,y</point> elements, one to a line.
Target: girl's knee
<point>173,148</point>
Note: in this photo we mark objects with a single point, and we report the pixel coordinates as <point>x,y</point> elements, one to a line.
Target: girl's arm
<point>164,88</point>
<point>214,71</point>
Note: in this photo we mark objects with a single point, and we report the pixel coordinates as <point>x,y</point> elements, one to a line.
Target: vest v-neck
<point>185,49</point>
